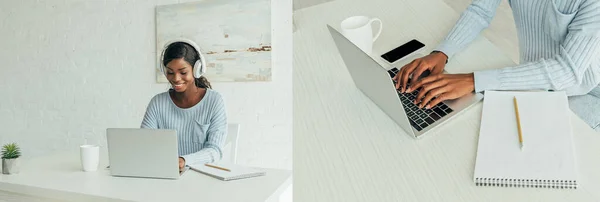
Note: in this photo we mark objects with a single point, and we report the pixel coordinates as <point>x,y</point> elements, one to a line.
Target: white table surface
<point>59,176</point>
<point>347,149</point>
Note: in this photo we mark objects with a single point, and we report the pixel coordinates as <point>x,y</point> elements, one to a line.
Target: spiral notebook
<point>547,159</point>
<point>233,172</point>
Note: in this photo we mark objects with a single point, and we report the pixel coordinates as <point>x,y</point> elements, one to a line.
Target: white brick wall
<point>72,68</point>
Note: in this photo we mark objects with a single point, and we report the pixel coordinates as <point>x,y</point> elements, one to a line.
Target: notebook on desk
<point>547,158</point>
<point>227,171</point>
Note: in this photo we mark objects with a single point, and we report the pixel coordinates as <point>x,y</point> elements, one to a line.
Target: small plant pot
<point>10,166</point>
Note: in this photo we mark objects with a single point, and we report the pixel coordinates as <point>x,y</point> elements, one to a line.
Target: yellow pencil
<point>518,122</point>
<point>217,167</point>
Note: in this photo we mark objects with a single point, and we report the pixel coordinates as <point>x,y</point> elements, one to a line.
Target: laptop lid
<point>141,152</point>
<point>371,79</point>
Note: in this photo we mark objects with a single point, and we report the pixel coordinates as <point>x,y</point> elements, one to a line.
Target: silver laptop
<point>377,84</point>
<point>141,152</point>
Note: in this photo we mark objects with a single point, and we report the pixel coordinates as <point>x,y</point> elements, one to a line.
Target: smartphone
<point>402,51</point>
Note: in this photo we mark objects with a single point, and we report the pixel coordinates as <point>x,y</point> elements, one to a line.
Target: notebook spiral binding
<point>529,183</point>
<point>245,176</point>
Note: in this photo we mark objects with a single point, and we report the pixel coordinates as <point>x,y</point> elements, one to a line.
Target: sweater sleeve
<point>472,21</point>
<point>216,135</point>
<point>150,117</point>
<point>579,51</point>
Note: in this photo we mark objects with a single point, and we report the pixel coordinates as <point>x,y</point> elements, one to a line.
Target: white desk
<point>347,149</point>
<point>59,177</point>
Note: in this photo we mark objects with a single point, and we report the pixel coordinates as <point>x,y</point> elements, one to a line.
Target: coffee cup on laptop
<point>90,157</point>
<point>358,29</point>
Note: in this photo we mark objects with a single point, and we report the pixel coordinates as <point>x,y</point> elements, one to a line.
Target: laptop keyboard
<point>419,118</point>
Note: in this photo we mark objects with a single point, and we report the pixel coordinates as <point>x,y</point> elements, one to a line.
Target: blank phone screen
<point>402,50</point>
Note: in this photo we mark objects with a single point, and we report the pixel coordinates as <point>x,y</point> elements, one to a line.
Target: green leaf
<point>11,151</point>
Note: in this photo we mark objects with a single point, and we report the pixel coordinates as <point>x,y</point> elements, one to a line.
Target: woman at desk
<point>191,107</point>
<point>559,42</point>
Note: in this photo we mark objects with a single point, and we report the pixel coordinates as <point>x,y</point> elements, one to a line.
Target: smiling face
<point>178,61</point>
<point>179,74</point>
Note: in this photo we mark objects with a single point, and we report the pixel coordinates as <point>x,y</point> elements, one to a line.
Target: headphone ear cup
<point>202,63</point>
<point>198,69</point>
<point>162,67</point>
<point>204,67</point>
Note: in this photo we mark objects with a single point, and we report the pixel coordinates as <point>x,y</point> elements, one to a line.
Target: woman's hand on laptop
<point>181,163</point>
<point>442,87</point>
<point>434,62</point>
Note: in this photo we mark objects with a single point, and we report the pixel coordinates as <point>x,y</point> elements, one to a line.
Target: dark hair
<point>184,50</point>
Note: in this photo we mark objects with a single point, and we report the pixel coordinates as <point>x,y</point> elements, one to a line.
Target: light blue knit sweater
<point>201,129</point>
<point>559,44</point>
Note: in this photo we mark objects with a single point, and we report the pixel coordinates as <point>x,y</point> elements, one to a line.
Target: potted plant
<point>10,158</point>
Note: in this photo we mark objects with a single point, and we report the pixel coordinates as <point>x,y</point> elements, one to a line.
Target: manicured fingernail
<point>427,107</point>
<point>409,90</point>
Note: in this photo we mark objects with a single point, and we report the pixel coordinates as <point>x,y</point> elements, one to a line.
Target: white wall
<point>70,69</point>
<point>300,4</point>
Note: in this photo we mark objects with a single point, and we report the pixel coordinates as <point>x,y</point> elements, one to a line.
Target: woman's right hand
<point>434,62</point>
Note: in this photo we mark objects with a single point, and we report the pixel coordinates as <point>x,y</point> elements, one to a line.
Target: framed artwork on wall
<point>233,35</point>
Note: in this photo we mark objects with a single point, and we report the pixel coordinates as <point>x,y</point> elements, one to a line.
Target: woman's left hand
<point>442,87</point>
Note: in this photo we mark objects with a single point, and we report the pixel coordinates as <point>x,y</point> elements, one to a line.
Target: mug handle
<point>380,27</point>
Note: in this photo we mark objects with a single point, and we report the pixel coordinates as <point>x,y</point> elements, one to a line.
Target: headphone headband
<point>199,65</point>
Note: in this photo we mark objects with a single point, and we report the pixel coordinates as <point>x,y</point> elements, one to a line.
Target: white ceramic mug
<point>358,30</point>
<point>90,157</point>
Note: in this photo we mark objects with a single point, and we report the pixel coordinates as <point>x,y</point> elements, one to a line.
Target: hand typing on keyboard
<point>421,118</point>
<point>433,63</point>
<point>437,88</point>
<point>434,88</point>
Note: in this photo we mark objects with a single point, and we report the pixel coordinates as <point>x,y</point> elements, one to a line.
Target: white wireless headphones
<point>199,65</point>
